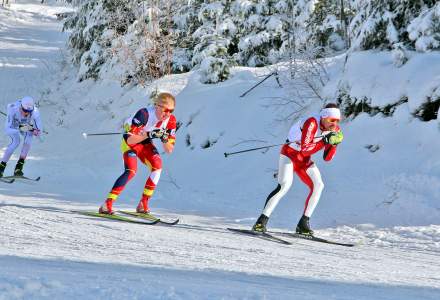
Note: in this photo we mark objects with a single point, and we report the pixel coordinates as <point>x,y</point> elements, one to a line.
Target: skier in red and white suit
<point>147,124</point>
<point>306,137</point>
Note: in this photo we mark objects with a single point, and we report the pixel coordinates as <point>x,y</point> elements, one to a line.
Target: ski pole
<point>265,147</point>
<point>254,149</point>
<point>260,82</point>
<point>85,134</point>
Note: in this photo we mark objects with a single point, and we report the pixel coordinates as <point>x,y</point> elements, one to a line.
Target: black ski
<point>22,177</point>
<point>311,238</point>
<point>149,217</point>
<point>6,180</point>
<point>262,235</point>
<point>114,217</point>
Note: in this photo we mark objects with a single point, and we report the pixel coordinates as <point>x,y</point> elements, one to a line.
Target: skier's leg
<point>27,142</point>
<point>150,156</point>
<point>23,154</point>
<point>285,178</point>
<point>130,167</point>
<point>15,141</point>
<point>312,178</point>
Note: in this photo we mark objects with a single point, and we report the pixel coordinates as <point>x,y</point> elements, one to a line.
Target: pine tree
<point>383,23</point>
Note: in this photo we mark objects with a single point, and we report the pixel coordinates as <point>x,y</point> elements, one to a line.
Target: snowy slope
<point>383,201</point>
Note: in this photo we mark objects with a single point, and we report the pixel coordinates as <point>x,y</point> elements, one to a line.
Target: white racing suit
<point>18,126</point>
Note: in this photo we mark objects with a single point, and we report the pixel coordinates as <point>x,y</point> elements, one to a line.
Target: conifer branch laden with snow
<point>161,36</point>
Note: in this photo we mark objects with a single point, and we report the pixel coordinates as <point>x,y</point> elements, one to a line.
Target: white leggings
<point>15,142</point>
<point>310,176</point>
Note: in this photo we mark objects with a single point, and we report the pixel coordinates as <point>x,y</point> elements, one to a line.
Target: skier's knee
<point>319,185</point>
<point>130,173</point>
<point>284,185</point>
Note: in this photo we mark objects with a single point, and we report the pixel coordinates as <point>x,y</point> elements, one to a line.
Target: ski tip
<point>169,222</point>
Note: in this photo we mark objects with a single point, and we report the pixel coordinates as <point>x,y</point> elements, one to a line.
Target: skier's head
<point>27,104</point>
<point>164,105</point>
<point>330,117</point>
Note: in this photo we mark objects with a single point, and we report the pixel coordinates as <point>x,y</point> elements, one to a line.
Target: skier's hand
<point>333,138</point>
<point>164,137</point>
<point>155,134</point>
<point>36,132</point>
<point>25,127</point>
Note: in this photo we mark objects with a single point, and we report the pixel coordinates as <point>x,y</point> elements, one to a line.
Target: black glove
<point>25,127</point>
<point>155,134</point>
<point>165,137</point>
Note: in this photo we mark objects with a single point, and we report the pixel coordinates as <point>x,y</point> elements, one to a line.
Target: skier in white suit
<point>23,120</point>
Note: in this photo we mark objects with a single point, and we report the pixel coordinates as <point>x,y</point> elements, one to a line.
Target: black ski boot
<point>260,225</point>
<point>19,167</point>
<point>2,168</point>
<point>303,226</point>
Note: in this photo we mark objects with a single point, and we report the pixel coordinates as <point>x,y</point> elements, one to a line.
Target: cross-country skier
<point>153,122</point>
<point>23,119</point>
<point>305,138</point>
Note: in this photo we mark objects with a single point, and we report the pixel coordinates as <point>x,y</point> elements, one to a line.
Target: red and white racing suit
<point>306,139</point>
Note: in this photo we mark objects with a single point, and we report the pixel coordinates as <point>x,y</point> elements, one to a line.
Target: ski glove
<point>36,132</point>
<point>155,134</point>
<point>25,127</point>
<point>333,138</point>
<point>164,137</point>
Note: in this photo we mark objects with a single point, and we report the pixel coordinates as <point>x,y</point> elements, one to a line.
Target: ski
<point>22,177</point>
<point>261,235</point>
<point>312,238</point>
<point>149,217</point>
<point>114,217</point>
<point>6,180</point>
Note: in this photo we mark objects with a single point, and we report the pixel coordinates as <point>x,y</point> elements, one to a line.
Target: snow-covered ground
<point>386,202</point>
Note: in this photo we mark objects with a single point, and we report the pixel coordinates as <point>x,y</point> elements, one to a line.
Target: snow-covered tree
<point>383,23</point>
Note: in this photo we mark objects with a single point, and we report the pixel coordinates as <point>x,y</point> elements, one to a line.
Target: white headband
<point>334,113</point>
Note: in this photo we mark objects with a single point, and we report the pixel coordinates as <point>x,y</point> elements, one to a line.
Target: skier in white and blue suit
<point>23,120</point>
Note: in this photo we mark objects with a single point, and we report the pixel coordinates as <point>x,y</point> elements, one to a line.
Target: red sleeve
<point>171,128</point>
<point>329,152</point>
<point>138,123</point>
<point>308,147</point>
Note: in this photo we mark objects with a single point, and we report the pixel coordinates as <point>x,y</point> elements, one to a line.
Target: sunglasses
<point>332,120</point>
<point>28,111</point>
<point>166,110</point>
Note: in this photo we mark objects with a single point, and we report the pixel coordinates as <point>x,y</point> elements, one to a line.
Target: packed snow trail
<point>45,232</point>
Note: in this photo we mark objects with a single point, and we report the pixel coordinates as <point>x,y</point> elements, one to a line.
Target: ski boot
<point>19,167</point>
<point>2,168</point>
<point>260,225</point>
<point>142,207</point>
<point>107,207</point>
<point>303,226</point>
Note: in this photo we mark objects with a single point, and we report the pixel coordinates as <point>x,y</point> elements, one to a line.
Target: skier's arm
<point>38,125</point>
<point>169,137</point>
<point>9,120</point>
<point>135,133</point>
<point>308,147</point>
<point>331,144</point>
<point>329,152</point>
